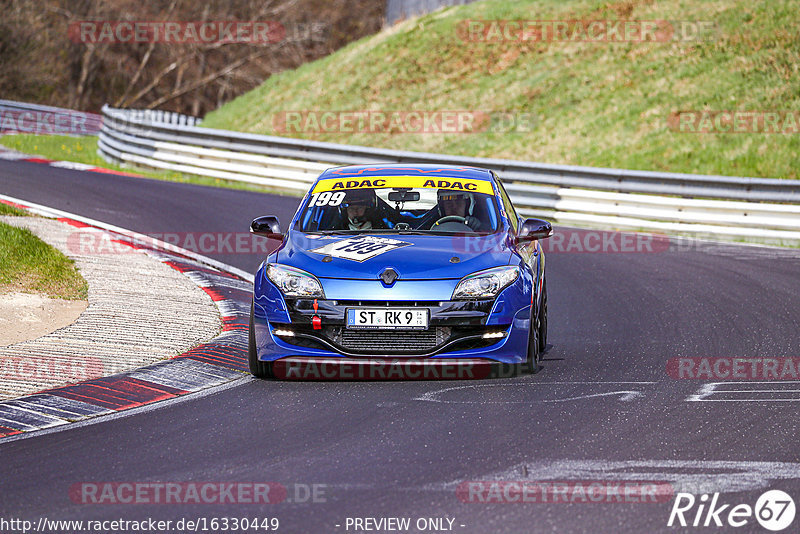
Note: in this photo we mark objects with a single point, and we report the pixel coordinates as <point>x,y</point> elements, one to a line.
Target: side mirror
<point>267,226</point>
<point>534,229</point>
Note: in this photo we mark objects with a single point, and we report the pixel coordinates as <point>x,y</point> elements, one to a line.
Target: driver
<point>359,210</point>
<point>454,203</point>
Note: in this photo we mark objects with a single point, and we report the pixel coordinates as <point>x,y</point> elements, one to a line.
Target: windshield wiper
<point>396,231</point>
<point>335,232</point>
<point>399,232</point>
<point>370,231</point>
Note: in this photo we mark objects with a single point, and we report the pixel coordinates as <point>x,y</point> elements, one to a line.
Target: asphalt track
<point>603,407</point>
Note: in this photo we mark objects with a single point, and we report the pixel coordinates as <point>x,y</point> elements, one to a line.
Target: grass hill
<point>584,102</point>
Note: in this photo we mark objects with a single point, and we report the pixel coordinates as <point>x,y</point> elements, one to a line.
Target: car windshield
<point>402,209</point>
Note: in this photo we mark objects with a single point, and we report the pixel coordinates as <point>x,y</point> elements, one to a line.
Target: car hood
<point>413,257</point>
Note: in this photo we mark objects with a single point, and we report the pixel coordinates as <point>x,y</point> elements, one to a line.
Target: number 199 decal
<point>360,248</point>
<point>326,199</point>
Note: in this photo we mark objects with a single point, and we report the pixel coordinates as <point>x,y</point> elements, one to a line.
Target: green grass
<point>29,264</point>
<point>84,150</point>
<point>5,209</point>
<point>598,104</point>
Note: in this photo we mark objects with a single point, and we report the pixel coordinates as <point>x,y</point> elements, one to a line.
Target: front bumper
<point>452,326</point>
<point>456,330</point>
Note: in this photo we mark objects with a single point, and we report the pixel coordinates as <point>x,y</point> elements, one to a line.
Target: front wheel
<point>531,364</point>
<point>543,320</point>
<point>258,368</point>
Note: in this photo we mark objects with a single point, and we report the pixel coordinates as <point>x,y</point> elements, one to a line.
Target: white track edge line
<point>52,212</point>
<point>102,418</point>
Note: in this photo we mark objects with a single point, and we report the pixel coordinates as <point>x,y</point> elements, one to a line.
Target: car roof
<point>408,169</point>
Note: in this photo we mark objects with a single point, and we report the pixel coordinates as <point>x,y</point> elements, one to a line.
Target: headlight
<point>485,284</point>
<point>294,282</point>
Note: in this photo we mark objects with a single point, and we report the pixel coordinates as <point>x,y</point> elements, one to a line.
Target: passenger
<point>360,210</point>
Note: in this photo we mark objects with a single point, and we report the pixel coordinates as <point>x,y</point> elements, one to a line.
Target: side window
<point>513,218</point>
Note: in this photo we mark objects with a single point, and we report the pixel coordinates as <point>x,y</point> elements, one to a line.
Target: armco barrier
<point>758,209</point>
<point>19,117</point>
<point>397,10</point>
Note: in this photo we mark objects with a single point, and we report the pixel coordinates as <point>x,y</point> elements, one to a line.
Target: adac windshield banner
<point>414,182</point>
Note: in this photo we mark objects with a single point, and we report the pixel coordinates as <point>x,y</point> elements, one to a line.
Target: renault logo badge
<point>389,275</point>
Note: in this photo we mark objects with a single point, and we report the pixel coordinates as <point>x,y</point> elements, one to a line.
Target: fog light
<point>284,333</point>
<point>492,335</point>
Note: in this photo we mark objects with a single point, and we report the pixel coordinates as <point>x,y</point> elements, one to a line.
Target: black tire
<point>531,364</point>
<point>543,320</point>
<point>258,368</point>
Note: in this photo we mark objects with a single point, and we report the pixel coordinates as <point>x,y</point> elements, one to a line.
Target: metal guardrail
<point>762,209</point>
<point>397,10</point>
<point>20,117</point>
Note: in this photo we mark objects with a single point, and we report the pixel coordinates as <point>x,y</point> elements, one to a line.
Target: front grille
<point>389,303</point>
<point>390,341</point>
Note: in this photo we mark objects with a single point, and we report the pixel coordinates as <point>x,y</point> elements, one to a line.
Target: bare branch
<point>121,101</point>
<point>207,79</point>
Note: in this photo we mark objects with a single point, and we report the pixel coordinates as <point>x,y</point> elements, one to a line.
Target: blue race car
<point>415,263</point>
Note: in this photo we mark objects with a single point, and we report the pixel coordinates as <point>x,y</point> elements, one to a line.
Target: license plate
<point>413,318</point>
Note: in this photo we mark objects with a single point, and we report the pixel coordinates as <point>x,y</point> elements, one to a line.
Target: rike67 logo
<point>774,510</point>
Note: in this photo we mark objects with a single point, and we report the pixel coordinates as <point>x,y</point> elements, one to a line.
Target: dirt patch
<point>24,316</point>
